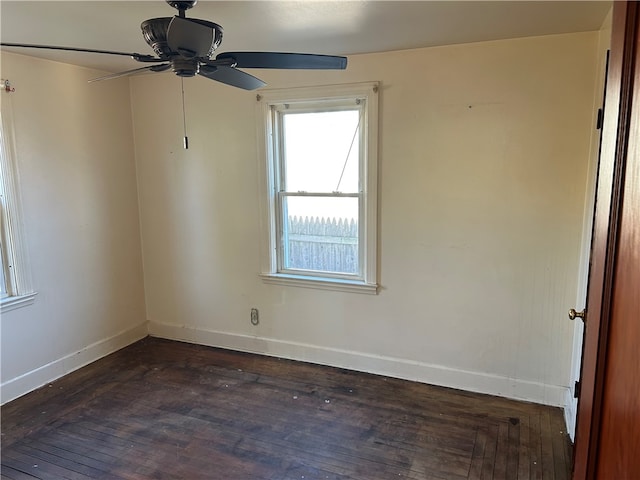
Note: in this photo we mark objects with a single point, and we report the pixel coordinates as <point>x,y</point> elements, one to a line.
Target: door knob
<point>573,314</point>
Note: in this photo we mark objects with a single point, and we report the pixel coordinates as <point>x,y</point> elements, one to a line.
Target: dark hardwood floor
<point>161,409</point>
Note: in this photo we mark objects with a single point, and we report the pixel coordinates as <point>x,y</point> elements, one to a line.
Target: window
<point>318,149</point>
<point>15,282</point>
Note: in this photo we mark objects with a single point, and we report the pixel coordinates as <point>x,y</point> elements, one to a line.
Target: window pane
<point>321,151</point>
<point>321,233</point>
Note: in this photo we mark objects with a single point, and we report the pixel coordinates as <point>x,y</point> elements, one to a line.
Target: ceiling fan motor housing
<point>154,31</point>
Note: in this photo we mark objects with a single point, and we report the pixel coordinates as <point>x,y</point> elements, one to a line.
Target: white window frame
<point>16,274</point>
<point>269,101</point>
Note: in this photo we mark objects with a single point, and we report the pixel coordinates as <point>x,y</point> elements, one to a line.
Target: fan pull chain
<point>184,117</point>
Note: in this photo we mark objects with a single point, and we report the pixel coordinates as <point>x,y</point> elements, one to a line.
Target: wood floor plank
<point>535,464</point>
<point>9,473</point>
<point>39,467</point>
<point>490,447</point>
<point>62,458</point>
<point>163,409</point>
<point>502,452</point>
<point>524,449</point>
<point>477,459</point>
<point>512,446</point>
<point>546,448</point>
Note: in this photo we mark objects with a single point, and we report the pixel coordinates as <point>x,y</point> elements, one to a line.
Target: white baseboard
<point>381,365</point>
<point>18,386</point>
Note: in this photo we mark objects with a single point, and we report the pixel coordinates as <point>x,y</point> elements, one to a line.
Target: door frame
<point>610,183</point>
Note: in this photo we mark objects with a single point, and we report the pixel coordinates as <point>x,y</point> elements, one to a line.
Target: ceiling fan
<point>186,45</point>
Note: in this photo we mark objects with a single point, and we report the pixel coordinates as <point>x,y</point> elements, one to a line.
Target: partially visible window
<point>15,280</point>
<point>321,177</point>
<point>7,279</point>
<point>4,292</point>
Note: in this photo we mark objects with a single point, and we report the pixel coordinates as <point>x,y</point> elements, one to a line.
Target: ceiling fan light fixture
<point>185,67</point>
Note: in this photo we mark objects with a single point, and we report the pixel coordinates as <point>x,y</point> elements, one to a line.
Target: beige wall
<point>74,148</point>
<point>480,217</point>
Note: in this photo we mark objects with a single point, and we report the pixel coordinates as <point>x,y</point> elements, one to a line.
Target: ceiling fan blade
<point>136,56</point>
<point>231,76</point>
<point>151,68</point>
<point>190,38</point>
<point>285,60</point>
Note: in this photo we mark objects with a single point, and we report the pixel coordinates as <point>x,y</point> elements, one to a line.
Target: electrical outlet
<point>255,320</point>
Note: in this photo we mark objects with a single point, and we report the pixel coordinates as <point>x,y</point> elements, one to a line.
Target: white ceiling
<point>338,27</point>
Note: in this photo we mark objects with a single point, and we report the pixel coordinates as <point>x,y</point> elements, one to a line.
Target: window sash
<point>280,110</point>
<point>282,236</point>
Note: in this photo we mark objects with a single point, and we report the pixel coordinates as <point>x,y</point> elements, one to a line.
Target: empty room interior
<point>196,284</point>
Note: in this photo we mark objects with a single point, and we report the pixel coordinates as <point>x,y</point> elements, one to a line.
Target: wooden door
<point>608,429</point>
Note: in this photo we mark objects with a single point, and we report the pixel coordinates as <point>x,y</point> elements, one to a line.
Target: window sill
<point>11,303</point>
<point>320,283</point>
